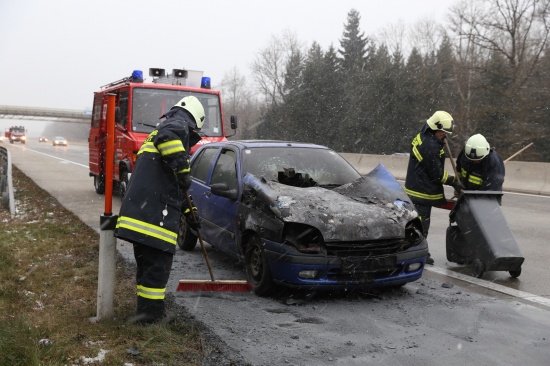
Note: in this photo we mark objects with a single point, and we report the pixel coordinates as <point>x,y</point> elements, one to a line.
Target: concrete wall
<point>521,176</point>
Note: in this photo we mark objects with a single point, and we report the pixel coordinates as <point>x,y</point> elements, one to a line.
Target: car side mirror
<point>220,189</point>
<point>233,124</point>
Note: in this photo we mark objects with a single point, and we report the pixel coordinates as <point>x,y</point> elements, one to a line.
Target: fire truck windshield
<point>149,104</point>
<point>18,129</point>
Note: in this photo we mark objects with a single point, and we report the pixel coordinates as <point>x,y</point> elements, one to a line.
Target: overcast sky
<point>56,53</point>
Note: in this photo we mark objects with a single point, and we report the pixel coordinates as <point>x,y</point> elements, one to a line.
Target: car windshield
<point>322,167</point>
<point>150,104</point>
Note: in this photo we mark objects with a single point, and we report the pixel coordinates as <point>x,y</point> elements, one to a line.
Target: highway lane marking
<point>492,286</point>
<point>55,157</point>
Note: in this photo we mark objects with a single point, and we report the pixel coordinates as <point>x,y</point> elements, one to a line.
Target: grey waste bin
<point>479,235</point>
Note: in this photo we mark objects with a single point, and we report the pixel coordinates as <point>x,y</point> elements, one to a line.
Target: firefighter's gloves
<point>184,181</point>
<point>458,186</point>
<point>192,219</point>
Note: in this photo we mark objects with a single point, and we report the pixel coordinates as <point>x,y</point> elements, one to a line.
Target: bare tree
<point>240,101</point>
<point>499,44</point>
<point>516,29</point>
<point>394,37</point>
<point>269,67</point>
<point>425,35</point>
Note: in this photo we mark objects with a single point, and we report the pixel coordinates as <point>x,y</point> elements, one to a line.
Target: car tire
<point>187,240</point>
<point>257,267</point>
<point>123,184</point>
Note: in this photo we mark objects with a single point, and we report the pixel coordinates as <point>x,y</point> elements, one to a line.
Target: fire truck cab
<point>16,133</point>
<point>138,107</point>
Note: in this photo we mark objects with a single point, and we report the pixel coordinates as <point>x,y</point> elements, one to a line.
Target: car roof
<point>244,144</point>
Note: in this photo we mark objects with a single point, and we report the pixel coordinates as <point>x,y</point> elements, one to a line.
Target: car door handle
<point>207,193</point>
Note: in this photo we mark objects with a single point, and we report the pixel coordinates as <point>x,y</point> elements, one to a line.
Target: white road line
<point>55,157</point>
<point>492,286</point>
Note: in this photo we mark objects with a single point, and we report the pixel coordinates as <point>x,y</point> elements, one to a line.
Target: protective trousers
<point>153,270</point>
<point>424,212</point>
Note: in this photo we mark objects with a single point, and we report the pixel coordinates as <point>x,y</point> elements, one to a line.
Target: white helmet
<point>442,121</point>
<point>477,147</point>
<point>193,106</point>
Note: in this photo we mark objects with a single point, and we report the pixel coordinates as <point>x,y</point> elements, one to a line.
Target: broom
<point>212,284</point>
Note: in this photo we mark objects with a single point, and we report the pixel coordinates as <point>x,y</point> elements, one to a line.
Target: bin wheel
<point>478,268</point>
<point>515,273</point>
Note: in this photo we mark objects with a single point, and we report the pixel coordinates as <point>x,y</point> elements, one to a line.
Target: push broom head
<point>214,286</point>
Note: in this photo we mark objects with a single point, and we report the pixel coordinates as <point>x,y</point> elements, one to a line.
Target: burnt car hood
<point>371,208</point>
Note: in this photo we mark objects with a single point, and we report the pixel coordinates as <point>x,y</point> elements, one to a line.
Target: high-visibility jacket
<point>151,209</point>
<point>426,170</point>
<point>485,175</point>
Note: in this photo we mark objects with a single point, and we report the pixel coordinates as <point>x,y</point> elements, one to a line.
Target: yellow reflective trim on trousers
<point>424,196</point>
<point>148,147</point>
<point>145,228</point>
<point>151,293</point>
<point>171,147</point>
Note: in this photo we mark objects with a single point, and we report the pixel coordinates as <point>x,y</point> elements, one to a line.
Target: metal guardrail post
<point>6,183</point>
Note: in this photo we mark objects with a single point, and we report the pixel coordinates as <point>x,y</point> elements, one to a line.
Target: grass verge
<point>48,293</point>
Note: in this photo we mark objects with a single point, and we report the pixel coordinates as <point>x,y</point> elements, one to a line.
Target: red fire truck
<point>139,106</point>
<point>16,133</point>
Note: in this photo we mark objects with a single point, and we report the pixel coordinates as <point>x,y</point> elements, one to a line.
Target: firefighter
<point>480,167</point>
<point>426,170</point>
<point>151,209</point>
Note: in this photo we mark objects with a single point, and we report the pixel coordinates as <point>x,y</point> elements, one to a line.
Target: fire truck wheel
<point>123,184</point>
<point>99,185</point>
<point>187,240</point>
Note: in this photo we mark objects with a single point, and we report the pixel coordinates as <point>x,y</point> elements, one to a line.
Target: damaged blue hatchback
<point>299,215</point>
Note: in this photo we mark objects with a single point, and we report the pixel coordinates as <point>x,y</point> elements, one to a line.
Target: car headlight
<point>413,231</point>
<point>305,238</point>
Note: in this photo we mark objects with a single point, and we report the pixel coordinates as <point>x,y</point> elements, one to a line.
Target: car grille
<point>366,249</point>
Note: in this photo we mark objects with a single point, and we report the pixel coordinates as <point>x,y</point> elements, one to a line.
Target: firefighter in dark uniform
<point>426,173</point>
<point>480,167</point>
<point>151,209</point>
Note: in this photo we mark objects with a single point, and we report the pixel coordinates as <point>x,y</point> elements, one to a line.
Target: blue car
<point>299,215</point>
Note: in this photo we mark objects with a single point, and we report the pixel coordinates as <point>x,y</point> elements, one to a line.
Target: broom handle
<point>200,237</point>
<point>452,160</point>
<point>519,152</point>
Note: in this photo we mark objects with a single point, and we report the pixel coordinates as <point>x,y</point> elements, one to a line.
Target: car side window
<point>225,170</point>
<point>202,163</point>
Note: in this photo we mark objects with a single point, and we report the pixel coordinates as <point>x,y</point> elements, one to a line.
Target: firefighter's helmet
<point>193,106</point>
<point>441,121</point>
<point>477,147</point>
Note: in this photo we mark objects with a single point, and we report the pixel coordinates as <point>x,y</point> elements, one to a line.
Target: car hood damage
<point>373,207</point>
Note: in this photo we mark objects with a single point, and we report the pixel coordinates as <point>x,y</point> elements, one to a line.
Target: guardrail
<point>521,176</point>
<point>6,183</point>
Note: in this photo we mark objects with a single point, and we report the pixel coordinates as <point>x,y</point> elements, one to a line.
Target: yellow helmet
<point>477,147</point>
<point>193,106</point>
<point>441,121</point>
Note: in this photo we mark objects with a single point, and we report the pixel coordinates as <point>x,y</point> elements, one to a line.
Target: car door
<point>220,213</point>
<point>201,169</point>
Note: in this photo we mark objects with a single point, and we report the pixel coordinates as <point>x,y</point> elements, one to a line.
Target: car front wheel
<point>187,240</point>
<point>258,268</point>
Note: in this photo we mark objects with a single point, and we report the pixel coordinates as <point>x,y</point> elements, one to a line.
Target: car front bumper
<point>288,267</point>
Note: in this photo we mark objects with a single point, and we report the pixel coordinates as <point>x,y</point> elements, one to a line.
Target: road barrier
<point>6,184</point>
<point>521,176</point>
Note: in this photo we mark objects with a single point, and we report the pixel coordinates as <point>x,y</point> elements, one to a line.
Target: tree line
<point>488,65</point>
